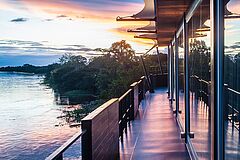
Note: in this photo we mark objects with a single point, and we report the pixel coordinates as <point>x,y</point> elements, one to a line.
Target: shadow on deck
<point>154,133</point>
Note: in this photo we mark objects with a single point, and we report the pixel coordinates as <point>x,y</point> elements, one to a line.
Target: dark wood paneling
<point>169,15</point>
<point>101,142</point>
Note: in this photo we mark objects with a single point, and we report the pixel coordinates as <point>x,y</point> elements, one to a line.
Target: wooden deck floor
<point>154,134</point>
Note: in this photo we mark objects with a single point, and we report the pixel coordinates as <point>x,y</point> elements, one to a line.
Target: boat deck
<point>154,134</point>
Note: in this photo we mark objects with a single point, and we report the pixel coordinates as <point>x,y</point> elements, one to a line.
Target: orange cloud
<point>122,32</point>
<point>94,12</point>
<point>105,15</point>
<point>78,10</point>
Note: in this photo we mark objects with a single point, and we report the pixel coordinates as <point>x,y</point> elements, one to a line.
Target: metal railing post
<point>143,87</point>
<point>209,98</point>
<point>131,114</point>
<point>169,71</point>
<point>226,102</point>
<point>176,76</point>
<point>186,80</point>
<point>217,8</point>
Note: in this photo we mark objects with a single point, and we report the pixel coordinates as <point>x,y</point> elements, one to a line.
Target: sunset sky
<point>38,32</point>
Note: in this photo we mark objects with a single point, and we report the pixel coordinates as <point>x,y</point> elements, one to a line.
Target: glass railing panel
<point>200,79</point>
<point>232,80</point>
<point>181,79</point>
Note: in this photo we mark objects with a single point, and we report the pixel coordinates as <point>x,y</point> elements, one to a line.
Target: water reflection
<point>31,124</point>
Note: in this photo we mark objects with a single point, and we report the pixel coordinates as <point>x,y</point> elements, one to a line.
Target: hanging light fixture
<point>234,6</point>
<point>147,36</point>
<point>146,14</point>
<point>232,9</point>
<point>198,35</point>
<point>203,28</point>
<point>150,28</point>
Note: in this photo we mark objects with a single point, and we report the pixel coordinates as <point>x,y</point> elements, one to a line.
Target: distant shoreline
<point>18,72</point>
<point>29,69</point>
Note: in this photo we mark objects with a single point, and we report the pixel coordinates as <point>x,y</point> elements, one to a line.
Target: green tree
<point>122,51</point>
<point>72,59</point>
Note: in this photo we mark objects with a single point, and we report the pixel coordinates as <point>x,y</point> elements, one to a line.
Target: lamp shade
<point>146,14</point>
<point>150,26</point>
<point>234,6</point>
<point>148,11</point>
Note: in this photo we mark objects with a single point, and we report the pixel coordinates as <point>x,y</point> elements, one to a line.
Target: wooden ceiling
<point>169,16</point>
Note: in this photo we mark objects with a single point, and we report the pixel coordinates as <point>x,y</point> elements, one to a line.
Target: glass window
<point>232,79</point>
<point>200,79</point>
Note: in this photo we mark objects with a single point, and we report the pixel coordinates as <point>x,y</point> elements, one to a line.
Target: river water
<point>29,127</point>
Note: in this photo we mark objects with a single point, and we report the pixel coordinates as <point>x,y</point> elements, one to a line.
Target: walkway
<point>154,134</point>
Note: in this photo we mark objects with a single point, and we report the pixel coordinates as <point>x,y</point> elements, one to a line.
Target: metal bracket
<point>183,135</point>
<point>191,134</point>
<point>174,112</point>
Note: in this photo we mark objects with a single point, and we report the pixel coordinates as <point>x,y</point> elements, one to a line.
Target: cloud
<point>62,16</point>
<point>75,45</point>
<point>236,45</point>
<point>90,9</point>
<point>64,49</point>
<point>233,49</point>
<point>48,20</point>
<point>94,54</point>
<point>80,17</point>
<point>16,20</point>
<point>20,42</point>
<point>65,16</point>
<point>19,47</point>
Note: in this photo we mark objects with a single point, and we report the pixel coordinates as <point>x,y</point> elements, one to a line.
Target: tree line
<point>99,78</point>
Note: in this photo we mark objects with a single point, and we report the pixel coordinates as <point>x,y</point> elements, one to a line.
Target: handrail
<point>232,110</point>
<point>125,94</point>
<point>206,82</point>
<point>126,110</point>
<point>57,154</point>
<point>126,114</point>
<point>127,103</point>
<point>233,91</point>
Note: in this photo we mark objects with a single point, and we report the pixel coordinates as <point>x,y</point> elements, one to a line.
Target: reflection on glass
<point>231,79</point>
<point>200,80</point>
<point>181,78</point>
